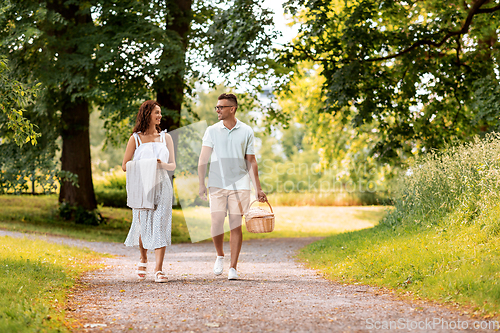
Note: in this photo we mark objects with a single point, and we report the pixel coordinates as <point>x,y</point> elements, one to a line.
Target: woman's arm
<point>129,152</point>
<point>170,166</point>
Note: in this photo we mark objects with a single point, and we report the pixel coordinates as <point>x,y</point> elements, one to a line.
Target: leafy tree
<point>15,96</point>
<point>24,164</point>
<point>163,44</point>
<point>337,151</point>
<point>105,157</point>
<point>53,42</point>
<point>424,73</point>
<point>114,54</point>
<point>34,167</point>
<point>202,108</point>
<point>292,140</point>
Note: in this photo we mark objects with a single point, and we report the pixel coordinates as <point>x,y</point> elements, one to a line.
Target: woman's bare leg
<point>144,255</point>
<point>159,255</point>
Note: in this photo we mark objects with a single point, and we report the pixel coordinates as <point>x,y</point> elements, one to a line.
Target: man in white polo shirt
<point>230,144</point>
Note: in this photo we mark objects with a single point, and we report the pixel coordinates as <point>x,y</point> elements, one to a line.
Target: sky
<point>280,20</point>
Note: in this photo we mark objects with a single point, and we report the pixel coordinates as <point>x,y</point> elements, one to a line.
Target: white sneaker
<point>219,265</point>
<point>232,274</point>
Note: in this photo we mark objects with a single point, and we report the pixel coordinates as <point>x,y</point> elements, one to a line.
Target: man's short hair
<point>230,97</point>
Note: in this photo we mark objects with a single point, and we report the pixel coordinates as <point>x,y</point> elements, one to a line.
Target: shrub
<point>111,197</point>
<point>117,182</point>
<point>329,199</point>
<point>441,239</point>
<point>80,215</point>
<point>112,192</point>
<point>454,186</point>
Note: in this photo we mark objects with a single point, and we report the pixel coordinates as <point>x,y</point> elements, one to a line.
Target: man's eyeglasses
<point>217,108</point>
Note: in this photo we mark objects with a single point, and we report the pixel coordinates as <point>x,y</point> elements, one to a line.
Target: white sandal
<point>141,274</point>
<point>161,279</point>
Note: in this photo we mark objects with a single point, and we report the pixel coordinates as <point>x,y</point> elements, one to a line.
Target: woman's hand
<point>161,165</point>
<point>165,166</point>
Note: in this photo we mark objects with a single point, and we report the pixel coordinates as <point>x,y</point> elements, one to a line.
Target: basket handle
<point>265,202</point>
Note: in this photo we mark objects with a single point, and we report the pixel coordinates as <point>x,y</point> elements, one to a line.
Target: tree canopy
<point>114,55</point>
<point>15,96</point>
<point>424,73</point>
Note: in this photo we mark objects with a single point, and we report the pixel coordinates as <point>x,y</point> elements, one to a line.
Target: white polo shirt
<point>227,164</point>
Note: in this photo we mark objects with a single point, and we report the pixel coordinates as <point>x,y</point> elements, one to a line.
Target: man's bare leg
<point>235,238</point>
<point>217,231</point>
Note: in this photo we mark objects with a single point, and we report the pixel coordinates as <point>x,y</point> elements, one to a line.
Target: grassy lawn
<point>307,221</point>
<point>35,278</point>
<point>39,214</point>
<point>442,238</point>
<point>460,265</point>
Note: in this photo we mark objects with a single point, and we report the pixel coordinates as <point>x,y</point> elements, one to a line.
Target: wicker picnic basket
<point>259,220</point>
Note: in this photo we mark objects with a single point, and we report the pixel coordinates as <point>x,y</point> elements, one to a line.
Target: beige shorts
<point>232,201</point>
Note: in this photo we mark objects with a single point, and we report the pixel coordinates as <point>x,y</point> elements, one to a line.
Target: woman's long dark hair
<point>144,117</point>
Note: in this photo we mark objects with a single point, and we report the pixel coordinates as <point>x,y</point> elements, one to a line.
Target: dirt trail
<point>275,293</point>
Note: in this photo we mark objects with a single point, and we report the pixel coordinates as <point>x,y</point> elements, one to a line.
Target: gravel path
<point>274,293</point>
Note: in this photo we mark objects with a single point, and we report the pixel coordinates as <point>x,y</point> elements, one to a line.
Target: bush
<point>441,239</point>
<point>329,199</point>
<point>452,187</point>
<point>117,182</point>
<point>112,192</point>
<point>111,197</point>
<point>80,215</point>
<point>186,187</point>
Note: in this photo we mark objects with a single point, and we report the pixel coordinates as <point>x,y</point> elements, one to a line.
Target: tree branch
<point>488,10</point>
<point>476,9</point>
<point>300,49</point>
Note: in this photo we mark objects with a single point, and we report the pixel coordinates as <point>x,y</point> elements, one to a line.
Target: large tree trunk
<point>170,89</point>
<point>75,115</point>
<point>75,156</point>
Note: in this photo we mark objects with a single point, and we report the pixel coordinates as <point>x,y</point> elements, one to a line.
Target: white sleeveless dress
<point>153,226</point>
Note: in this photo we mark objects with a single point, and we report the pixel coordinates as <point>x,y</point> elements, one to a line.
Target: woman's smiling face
<point>156,115</point>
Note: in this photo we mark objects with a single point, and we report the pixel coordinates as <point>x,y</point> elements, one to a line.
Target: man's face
<point>224,108</point>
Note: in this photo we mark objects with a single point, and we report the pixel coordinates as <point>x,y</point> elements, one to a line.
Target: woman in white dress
<point>151,229</point>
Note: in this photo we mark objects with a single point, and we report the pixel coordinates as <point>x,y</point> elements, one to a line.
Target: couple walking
<point>229,144</point>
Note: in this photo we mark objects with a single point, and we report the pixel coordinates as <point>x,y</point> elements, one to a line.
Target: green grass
<point>461,265</point>
<point>442,239</point>
<point>35,278</point>
<point>306,221</point>
<point>39,214</point>
<point>339,198</point>
<point>111,191</point>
